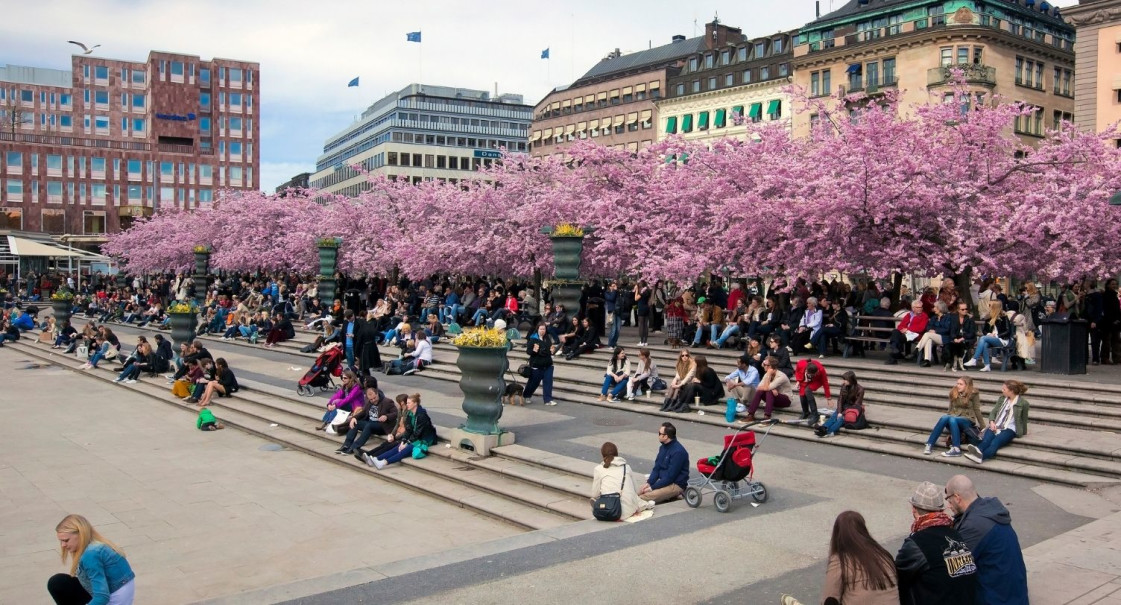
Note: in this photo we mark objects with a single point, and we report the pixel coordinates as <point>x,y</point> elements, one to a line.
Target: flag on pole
<point>353,82</point>
<point>412,37</point>
<point>545,54</point>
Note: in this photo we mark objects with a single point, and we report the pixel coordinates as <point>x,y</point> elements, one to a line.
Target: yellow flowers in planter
<point>202,249</point>
<point>568,230</point>
<point>481,337</point>
<point>183,306</point>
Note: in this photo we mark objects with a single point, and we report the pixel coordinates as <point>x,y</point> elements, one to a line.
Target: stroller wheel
<point>722,500</point>
<point>758,492</point>
<point>300,390</point>
<point>692,497</point>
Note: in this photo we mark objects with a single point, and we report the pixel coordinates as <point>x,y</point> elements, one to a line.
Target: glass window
<point>27,96</point>
<point>235,74</point>
<point>235,123</point>
<point>206,195</point>
<point>696,86</point>
<point>708,61</point>
<point>815,83</point>
<point>176,68</point>
<point>167,168</point>
<point>235,99</point>
<point>54,188</point>
<point>138,101</point>
<point>784,69</point>
<point>101,122</point>
<point>54,162</point>
<point>729,79</point>
<point>138,125</point>
<point>15,159</point>
<point>15,187</point>
<point>101,72</point>
<point>764,73</point>
<point>204,100</point>
<point>204,124</point>
<point>97,164</point>
<point>760,49</point>
<point>692,64</point>
<point>206,171</point>
<point>741,53</point>
<point>98,191</point>
<point>712,83</point>
<point>65,100</point>
<point>204,75</point>
<point>134,192</point>
<point>235,174</point>
<point>235,147</point>
<point>963,55</point>
<point>889,72</point>
<point>167,194</point>
<point>134,167</point>
<point>746,76</point>
<point>947,56</point>
<point>872,73</point>
<point>66,121</point>
<point>138,76</point>
<point>101,97</point>
<point>777,46</point>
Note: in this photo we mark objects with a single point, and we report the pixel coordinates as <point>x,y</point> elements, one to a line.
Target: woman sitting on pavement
<point>282,330</point>
<point>616,376</point>
<point>434,330</point>
<point>850,408</point>
<point>345,401</point>
<point>644,375</point>
<point>937,333</point>
<point>377,417</point>
<point>575,330</point>
<point>999,334</point>
<point>1007,420</point>
<point>586,342</point>
<point>965,412</point>
<point>774,389</point>
<point>181,387</point>
<point>65,336</point>
<point>615,476</point>
<point>706,387</point>
<point>684,372</point>
<point>140,359</point>
<point>781,355</point>
<point>416,433</point>
<point>859,569</point>
<point>415,360</point>
<point>224,383</point>
<point>98,351</point>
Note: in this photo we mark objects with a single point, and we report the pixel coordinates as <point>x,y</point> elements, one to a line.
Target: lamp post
<point>1115,199</point>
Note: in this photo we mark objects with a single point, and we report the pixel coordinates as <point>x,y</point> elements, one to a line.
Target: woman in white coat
<point>608,478</point>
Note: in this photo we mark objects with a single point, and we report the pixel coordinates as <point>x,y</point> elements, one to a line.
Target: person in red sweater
<point>810,376</point>
<point>910,327</point>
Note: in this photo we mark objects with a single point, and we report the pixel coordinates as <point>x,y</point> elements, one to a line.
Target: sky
<point>309,51</point>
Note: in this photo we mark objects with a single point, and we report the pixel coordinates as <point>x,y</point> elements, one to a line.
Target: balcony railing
<point>188,149</point>
<point>41,139</point>
<point>971,72</point>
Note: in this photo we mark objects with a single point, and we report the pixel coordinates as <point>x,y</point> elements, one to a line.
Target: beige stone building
<point>1097,82</point>
<point>713,88</point>
<point>1023,51</point>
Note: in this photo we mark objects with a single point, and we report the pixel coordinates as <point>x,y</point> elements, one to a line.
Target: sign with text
<point>175,117</point>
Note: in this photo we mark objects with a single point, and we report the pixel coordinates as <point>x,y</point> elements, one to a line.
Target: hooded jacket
<point>986,527</point>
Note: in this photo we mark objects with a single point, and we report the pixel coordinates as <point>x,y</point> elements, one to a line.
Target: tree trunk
<point>896,288</point>
<point>963,282</point>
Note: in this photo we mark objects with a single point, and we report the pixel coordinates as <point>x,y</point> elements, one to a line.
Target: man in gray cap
<point>934,564</point>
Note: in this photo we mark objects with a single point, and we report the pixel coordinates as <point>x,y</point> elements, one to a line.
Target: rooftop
<point>858,7</point>
<point>41,76</point>
<point>645,58</point>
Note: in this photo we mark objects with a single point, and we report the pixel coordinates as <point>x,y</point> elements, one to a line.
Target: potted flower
<point>62,301</point>
<point>184,316</point>
<point>482,364</point>
<point>568,246</point>
<point>328,263</point>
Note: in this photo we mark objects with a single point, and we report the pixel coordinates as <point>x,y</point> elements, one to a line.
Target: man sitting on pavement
<point>670,475</point>
<point>935,565</point>
<point>986,527</point>
<point>741,383</point>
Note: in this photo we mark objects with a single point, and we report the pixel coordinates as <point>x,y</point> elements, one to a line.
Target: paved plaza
<point>221,518</point>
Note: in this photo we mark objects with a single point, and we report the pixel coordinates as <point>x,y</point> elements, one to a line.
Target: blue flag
<point>545,54</point>
<point>412,37</point>
<point>353,82</point>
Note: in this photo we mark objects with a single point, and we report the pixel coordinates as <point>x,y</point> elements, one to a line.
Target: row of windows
<point>749,52</point>
<point>56,100</point>
<point>746,76</point>
<point>96,167</point>
<point>450,141</point>
<point>54,221</point>
<point>615,96</point>
<point>1030,73</point>
<point>723,117</point>
<point>871,75</point>
<point>177,69</point>
<point>593,131</point>
<point>428,160</point>
<point>1032,124</point>
<point>15,191</point>
<point>454,121</point>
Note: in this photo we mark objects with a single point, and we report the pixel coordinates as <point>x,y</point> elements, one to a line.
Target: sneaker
<point>528,400</point>
<point>379,463</point>
<point>926,451</point>
<point>130,381</point>
<point>409,372</point>
<point>550,403</point>
<point>368,459</point>
<point>828,435</point>
<point>973,453</point>
<point>953,452</point>
<point>971,363</point>
<point>630,397</point>
<point>169,376</point>
<point>118,380</point>
<point>987,368</point>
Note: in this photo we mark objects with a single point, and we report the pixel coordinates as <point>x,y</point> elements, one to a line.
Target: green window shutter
<point>671,125</point>
<point>702,120</point>
<point>738,111</point>
<point>756,111</point>
<point>721,118</point>
<point>774,106</point>
<point>687,123</point>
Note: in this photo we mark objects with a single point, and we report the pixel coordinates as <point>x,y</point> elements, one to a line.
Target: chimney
<point>678,38</point>
<point>718,35</point>
<point>817,9</point>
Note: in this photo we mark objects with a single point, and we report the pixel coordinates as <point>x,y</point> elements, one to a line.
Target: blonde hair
<point>996,308</point>
<point>969,388</point>
<point>77,524</point>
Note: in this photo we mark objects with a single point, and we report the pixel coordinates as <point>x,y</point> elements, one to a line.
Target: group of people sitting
<point>199,377</point>
<point>1007,420</point>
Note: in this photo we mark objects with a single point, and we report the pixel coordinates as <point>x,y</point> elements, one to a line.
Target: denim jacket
<point>102,571</point>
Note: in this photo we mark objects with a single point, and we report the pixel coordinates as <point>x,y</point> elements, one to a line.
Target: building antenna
<point>572,47</point>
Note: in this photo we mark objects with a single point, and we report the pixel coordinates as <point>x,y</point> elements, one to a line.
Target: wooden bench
<point>864,328</point>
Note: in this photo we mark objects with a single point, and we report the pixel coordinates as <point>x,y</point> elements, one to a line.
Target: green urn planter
<point>62,309</point>
<point>183,327</point>
<point>481,370</point>
<point>568,253</point>
<point>328,266</point>
<point>202,269</point>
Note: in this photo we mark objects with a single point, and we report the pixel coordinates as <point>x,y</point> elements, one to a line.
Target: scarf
<point>932,519</point>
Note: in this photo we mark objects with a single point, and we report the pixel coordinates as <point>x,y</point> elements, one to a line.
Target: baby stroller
<point>730,475</point>
<point>328,364</point>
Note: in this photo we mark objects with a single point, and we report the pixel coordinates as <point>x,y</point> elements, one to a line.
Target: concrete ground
<point>749,555</point>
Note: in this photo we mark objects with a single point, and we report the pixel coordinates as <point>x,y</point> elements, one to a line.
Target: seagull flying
<point>85,50</point>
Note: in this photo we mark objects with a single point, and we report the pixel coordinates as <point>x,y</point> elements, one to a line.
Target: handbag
<point>523,370</point>
<point>658,384</point>
<point>609,507</point>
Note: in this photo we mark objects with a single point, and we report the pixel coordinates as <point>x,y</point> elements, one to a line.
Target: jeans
<point>479,316</point>
<point>232,332</point>
<point>992,442</point>
<point>247,331</point>
<point>613,329</point>
<point>834,423</point>
<point>643,328</point>
<point>729,332</point>
<point>98,356</point>
<point>715,329</point>
<point>983,345</point>
<point>451,313</point>
<point>131,372</point>
<point>820,339</point>
<point>360,434</point>
<point>539,376</point>
<point>954,423</point>
<point>616,388</point>
<point>350,355</point>
<point>395,454</point>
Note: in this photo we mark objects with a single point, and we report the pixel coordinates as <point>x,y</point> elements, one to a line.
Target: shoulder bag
<point>609,507</point>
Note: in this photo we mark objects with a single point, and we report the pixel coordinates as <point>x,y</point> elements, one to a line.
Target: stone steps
<point>523,494</point>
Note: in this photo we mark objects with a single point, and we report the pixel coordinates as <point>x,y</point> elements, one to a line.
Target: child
<point>207,421</point>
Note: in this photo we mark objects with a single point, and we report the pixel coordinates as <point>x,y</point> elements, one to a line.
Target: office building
<point>85,151</point>
<point>423,132</point>
<point>1023,51</point>
<point>733,77</point>
<point>1097,51</point>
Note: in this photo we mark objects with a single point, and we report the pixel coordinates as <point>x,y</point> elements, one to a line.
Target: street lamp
<point>1115,199</point>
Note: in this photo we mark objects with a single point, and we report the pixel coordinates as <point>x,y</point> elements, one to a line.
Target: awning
<point>855,68</point>
<point>588,100</point>
<point>628,90</point>
<point>632,146</point>
<point>614,93</point>
<point>702,120</point>
<point>756,111</point>
<point>671,125</point>
<point>632,118</point>
<point>737,111</point>
<point>582,127</point>
<point>774,106</point>
<point>640,88</point>
<point>721,118</point>
<point>687,123</point>
<point>547,134</point>
<point>601,96</point>
<point>617,121</point>
<point>593,125</point>
<point>646,115</point>
<point>1117,82</point>
<point>536,136</point>
<point>571,128</point>
<point>566,103</point>
<point>555,106</point>
<point>655,85</point>
<point>26,247</point>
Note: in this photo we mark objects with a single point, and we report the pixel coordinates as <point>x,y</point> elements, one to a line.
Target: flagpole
<point>420,60</point>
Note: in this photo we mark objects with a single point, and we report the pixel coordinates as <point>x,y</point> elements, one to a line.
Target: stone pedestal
<point>477,442</point>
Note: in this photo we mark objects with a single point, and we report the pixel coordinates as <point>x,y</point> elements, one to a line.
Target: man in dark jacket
<point>670,476</point>
<point>986,527</point>
<point>934,564</point>
<point>377,417</point>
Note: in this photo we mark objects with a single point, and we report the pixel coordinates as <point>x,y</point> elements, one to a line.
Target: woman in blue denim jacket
<point>99,573</point>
